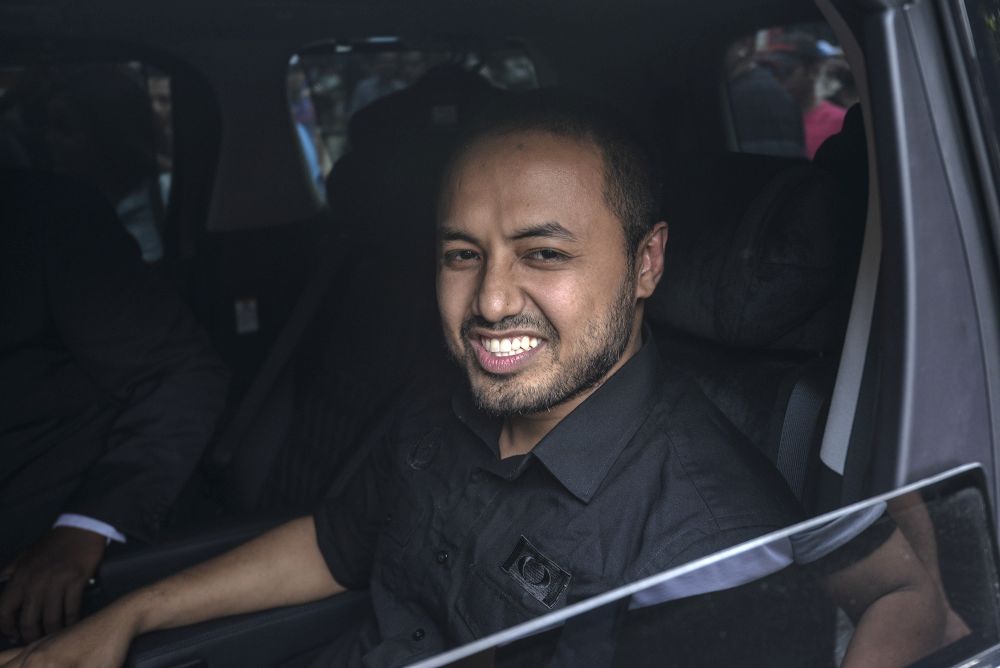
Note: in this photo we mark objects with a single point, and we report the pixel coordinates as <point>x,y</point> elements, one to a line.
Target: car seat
<point>376,327</point>
<point>755,295</point>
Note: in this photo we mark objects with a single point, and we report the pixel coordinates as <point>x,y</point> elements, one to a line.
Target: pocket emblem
<point>541,577</point>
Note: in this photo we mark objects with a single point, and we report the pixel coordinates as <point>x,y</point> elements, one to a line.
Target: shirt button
<point>418,634</point>
<point>442,557</point>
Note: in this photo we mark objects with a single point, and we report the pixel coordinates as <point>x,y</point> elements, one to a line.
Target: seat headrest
<point>760,254</point>
<point>445,96</point>
<point>845,155</point>
<point>388,181</point>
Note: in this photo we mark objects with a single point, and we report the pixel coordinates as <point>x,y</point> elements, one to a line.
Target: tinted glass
<point>327,87</point>
<point>895,580</point>
<point>789,89</point>
<point>984,21</point>
<point>108,124</point>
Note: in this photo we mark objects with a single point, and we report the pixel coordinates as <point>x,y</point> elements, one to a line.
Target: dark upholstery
<point>845,156</point>
<point>757,255</point>
<point>377,327</point>
<point>757,286</point>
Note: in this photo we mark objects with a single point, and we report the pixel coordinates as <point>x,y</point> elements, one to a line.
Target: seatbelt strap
<point>305,310</point>
<point>798,429</point>
<point>844,402</point>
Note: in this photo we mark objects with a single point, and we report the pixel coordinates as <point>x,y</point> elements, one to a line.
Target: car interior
<point>295,200</point>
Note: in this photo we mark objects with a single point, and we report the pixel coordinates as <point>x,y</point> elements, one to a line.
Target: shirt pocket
<point>490,601</point>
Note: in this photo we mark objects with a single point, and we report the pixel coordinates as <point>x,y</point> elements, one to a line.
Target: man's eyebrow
<point>451,234</point>
<point>551,230</point>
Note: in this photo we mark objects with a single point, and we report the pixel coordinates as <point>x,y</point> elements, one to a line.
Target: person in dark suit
<point>109,392</point>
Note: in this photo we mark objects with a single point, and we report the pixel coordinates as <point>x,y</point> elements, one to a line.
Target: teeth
<point>506,347</point>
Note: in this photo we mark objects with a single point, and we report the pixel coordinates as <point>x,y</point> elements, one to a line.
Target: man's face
<point>800,83</point>
<point>537,298</point>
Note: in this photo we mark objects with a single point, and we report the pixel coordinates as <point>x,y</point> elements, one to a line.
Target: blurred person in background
<point>384,78</point>
<point>798,62</point>
<point>766,118</point>
<point>109,392</point>
<point>98,127</point>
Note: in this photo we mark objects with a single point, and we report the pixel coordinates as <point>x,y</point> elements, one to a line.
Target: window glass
<point>788,89</point>
<point>896,580</point>
<point>984,20</point>
<point>327,86</point>
<point>108,124</point>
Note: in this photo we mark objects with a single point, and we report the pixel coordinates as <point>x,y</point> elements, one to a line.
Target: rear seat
<point>755,296</point>
<point>376,324</point>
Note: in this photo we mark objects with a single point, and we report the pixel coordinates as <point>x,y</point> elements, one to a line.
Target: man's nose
<point>499,295</point>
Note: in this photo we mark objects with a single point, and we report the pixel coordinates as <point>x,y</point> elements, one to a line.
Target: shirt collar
<point>581,449</point>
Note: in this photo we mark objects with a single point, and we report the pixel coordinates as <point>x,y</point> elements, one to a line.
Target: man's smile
<point>505,354</point>
<point>510,345</point>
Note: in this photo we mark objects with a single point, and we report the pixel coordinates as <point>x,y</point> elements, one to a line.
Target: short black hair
<point>632,179</point>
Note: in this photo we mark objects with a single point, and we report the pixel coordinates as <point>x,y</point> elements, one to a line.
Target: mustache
<point>518,321</point>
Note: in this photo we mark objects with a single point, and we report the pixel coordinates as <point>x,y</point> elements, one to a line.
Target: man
<point>572,461</point>
<point>799,63</point>
<point>109,392</point>
<point>765,117</point>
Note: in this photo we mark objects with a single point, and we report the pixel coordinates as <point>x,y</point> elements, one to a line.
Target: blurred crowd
<point>326,88</point>
<point>789,91</point>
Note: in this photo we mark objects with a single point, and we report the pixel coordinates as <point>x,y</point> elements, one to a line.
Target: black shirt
<point>456,543</point>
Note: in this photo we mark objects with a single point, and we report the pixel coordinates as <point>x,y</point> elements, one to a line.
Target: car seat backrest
<point>756,256</point>
<point>376,326</point>
<point>756,292</point>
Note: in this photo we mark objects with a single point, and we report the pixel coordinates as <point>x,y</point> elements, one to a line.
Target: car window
<point>108,124</point>
<point>794,597</point>
<point>327,85</point>
<point>788,89</point>
<point>984,21</point>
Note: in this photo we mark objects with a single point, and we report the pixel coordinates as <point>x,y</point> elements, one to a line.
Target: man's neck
<point>521,433</point>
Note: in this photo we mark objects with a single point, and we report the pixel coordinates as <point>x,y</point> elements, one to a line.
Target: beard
<point>603,342</point>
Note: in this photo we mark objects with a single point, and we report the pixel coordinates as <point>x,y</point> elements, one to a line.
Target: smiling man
<point>538,286</point>
<point>562,461</point>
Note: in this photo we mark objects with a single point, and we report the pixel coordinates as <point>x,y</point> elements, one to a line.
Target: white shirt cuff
<point>90,524</point>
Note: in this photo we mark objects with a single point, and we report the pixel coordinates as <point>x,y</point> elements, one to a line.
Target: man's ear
<point>649,261</point>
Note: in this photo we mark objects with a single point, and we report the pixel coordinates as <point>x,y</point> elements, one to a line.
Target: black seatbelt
<point>305,310</point>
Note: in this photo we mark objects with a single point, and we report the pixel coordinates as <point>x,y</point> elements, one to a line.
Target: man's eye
<point>547,255</point>
<point>461,256</point>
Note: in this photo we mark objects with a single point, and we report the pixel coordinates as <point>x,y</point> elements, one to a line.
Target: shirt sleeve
<point>131,333</point>
<point>90,524</point>
<point>348,523</point>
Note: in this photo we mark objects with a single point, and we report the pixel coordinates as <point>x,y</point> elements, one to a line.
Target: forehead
<point>525,173</point>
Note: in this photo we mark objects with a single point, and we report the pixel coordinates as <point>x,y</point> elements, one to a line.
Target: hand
<point>47,581</point>
<point>100,641</point>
